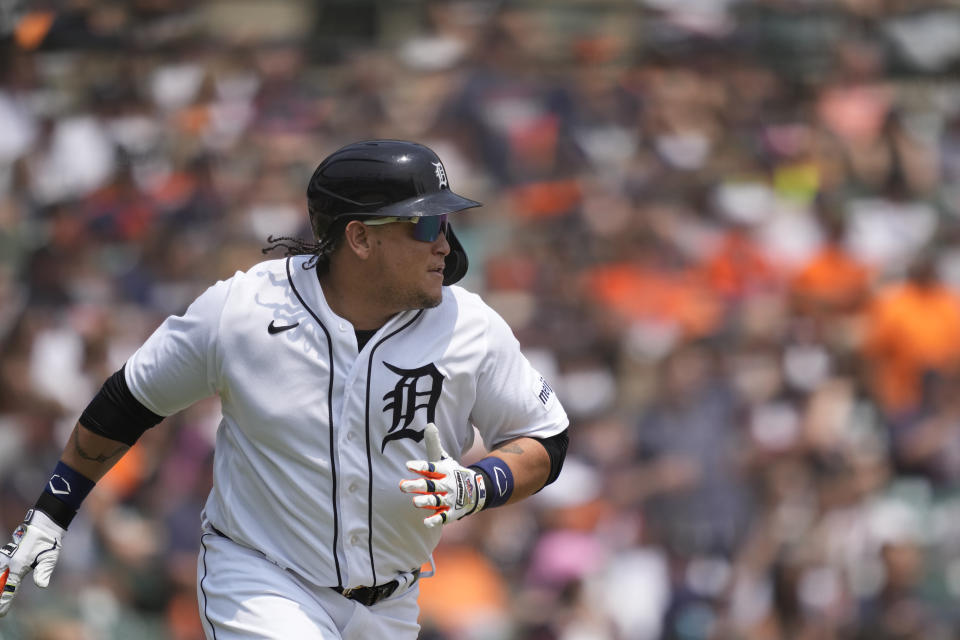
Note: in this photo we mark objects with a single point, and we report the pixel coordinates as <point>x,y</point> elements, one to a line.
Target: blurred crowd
<point>728,232</point>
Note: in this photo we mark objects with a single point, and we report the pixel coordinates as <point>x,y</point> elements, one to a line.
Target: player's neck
<point>351,301</point>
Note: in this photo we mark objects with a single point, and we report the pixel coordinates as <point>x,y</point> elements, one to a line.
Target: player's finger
<point>420,485</point>
<point>418,465</point>
<point>7,590</point>
<point>431,436</point>
<point>432,500</point>
<point>45,565</point>
<point>426,469</point>
<point>421,466</point>
<point>435,520</point>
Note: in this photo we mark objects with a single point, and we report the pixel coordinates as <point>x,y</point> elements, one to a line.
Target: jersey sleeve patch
<point>545,393</point>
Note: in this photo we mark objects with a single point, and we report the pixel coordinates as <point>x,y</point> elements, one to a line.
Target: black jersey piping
<point>333,461</point>
<point>202,580</point>
<point>373,569</point>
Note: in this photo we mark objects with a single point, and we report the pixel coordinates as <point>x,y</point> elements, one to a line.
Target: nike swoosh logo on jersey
<point>275,329</point>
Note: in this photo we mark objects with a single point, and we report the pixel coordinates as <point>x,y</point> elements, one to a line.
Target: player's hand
<point>35,546</point>
<point>447,489</point>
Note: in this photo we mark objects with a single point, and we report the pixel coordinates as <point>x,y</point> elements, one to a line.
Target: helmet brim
<point>433,204</point>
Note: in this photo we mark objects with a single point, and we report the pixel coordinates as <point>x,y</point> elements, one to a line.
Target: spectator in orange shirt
<point>642,292</point>
<point>738,268</point>
<point>832,282</point>
<point>912,332</point>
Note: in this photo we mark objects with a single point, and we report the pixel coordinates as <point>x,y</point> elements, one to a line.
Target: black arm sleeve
<point>114,413</point>
<point>556,447</point>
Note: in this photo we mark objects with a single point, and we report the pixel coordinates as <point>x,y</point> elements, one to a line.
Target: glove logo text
<point>464,490</point>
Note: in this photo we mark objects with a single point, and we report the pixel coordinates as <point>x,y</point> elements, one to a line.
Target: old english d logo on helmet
<point>386,178</point>
<point>441,174</point>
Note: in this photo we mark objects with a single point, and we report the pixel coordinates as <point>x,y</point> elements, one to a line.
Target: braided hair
<point>320,250</point>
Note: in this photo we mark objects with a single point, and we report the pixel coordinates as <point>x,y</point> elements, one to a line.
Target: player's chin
<point>433,290</point>
<point>430,297</point>
<point>430,300</point>
<point>420,297</point>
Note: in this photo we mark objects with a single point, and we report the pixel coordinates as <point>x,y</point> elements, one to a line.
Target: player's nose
<point>440,245</point>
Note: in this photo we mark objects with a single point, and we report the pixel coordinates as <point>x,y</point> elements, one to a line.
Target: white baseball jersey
<point>315,434</point>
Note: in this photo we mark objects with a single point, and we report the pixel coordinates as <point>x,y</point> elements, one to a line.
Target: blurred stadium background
<point>727,231</point>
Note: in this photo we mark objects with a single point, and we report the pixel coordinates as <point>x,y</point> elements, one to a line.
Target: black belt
<point>369,596</point>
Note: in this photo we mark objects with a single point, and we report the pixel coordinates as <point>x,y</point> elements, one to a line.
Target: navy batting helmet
<point>381,178</point>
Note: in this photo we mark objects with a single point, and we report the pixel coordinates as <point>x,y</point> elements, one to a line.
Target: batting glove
<point>447,489</point>
<point>35,546</point>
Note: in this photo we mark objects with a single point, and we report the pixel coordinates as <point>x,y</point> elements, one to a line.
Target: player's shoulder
<point>268,272</point>
<point>254,280</point>
<point>274,267</point>
<point>471,306</point>
<point>465,301</point>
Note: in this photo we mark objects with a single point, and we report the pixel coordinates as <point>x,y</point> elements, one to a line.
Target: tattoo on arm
<point>511,448</point>
<point>99,458</point>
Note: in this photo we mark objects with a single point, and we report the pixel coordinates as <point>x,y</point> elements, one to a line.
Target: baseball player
<point>346,372</point>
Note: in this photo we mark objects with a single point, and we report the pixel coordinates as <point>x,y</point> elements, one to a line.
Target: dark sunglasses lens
<point>428,228</point>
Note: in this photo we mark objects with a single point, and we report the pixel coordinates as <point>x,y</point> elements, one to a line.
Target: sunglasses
<point>425,228</point>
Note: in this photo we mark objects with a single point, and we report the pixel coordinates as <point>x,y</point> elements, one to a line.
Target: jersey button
<point>354,539</point>
<point>352,488</point>
<point>350,435</point>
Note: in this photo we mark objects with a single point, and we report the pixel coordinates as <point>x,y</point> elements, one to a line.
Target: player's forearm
<point>86,458</point>
<point>529,463</point>
<point>90,454</point>
<point>108,427</point>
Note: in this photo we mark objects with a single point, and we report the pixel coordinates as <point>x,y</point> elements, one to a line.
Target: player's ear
<point>358,239</point>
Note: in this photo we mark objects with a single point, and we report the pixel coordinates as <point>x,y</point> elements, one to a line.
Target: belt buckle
<point>347,593</point>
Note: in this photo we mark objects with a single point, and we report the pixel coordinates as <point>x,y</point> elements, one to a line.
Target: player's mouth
<point>437,270</point>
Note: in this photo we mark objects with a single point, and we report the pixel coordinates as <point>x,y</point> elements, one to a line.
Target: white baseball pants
<point>243,596</point>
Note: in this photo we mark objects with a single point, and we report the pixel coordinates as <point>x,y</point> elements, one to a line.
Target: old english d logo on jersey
<point>416,389</point>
